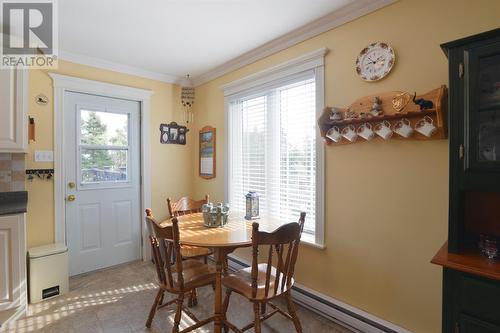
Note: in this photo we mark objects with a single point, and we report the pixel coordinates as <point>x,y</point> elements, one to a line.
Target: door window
<point>103,147</point>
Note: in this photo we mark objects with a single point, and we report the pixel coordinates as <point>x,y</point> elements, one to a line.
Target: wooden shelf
<point>411,111</point>
<point>469,262</point>
<point>397,116</point>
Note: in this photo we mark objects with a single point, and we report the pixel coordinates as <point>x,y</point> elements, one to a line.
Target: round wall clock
<point>375,61</point>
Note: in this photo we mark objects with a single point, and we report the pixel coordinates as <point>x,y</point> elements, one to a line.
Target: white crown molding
<point>336,18</point>
<point>116,67</point>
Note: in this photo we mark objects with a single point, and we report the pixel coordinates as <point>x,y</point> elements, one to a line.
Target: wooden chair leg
<point>263,308</point>
<point>225,267</point>
<point>256,311</point>
<point>193,299</point>
<point>154,307</point>
<point>205,259</point>
<point>225,306</point>
<point>293,312</point>
<point>178,313</point>
<point>161,299</point>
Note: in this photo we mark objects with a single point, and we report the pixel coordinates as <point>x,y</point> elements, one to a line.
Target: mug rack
<point>359,114</point>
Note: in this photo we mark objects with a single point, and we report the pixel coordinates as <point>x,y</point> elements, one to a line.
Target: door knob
<point>71,185</point>
<point>71,197</point>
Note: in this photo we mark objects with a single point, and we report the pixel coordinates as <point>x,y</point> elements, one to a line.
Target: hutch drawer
<point>480,298</point>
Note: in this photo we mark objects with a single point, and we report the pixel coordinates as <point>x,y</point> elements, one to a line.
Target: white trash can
<point>48,271</point>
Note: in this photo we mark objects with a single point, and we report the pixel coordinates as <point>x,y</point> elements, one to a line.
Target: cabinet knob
<point>461,152</point>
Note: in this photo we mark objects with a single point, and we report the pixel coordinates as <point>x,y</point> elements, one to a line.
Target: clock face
<point>375,61</point>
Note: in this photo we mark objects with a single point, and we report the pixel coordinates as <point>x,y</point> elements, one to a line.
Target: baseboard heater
<point>336,311</point>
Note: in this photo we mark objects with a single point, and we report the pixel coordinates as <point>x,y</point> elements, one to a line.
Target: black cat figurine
<point>423,103</point>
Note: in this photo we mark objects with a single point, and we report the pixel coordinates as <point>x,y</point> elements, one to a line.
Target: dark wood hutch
<point>471,281</point>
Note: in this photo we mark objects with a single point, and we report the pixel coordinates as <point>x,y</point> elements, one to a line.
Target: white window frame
<point>310,61</point>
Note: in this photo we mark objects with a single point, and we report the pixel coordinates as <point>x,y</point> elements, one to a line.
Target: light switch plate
<point>44,156</point>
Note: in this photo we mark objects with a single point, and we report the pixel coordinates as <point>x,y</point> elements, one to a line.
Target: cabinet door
<point>13,131</point>
<point>482,114</point>
<point>472,325</point>
<point>12,262</point>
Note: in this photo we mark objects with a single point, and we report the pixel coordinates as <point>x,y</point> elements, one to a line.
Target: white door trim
<point>63,83</point>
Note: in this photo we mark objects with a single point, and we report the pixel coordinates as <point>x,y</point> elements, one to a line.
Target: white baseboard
<point>343,314</point>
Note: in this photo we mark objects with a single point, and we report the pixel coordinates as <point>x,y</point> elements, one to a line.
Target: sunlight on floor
<point>118,300</point>
<point>63,307</point>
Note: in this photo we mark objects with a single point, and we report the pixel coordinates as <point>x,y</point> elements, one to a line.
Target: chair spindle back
<point>185,205</point>
<point>285,243</point>
<point>164,246</point>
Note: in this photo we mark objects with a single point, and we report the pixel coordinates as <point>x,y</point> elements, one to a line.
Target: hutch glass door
<point>484,108</point>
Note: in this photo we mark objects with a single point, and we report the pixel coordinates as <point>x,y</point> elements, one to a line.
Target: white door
<point>102,177</point>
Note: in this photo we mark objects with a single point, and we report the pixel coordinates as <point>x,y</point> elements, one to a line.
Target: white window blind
<point>272,149</point>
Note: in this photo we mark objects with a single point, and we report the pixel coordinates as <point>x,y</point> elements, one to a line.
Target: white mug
<point>349,132</point>
<point>334,134</point>
<point>365,131</point>
<point>426,126</point>
<point>403,128</point>
<point>384,130</point>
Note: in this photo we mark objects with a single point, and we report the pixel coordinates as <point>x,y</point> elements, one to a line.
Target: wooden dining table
<point>235,234</point>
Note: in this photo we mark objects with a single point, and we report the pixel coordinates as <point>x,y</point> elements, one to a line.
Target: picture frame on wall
<point>207,152</point>
<point>173,133</point>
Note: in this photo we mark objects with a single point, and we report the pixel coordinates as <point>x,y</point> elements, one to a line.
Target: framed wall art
<point>207,153</point>
<point>173,134</point>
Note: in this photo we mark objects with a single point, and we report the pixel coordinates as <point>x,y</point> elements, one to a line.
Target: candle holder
<point>215,216</point>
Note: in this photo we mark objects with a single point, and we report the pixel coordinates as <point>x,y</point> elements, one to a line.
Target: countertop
<point>13,202</point>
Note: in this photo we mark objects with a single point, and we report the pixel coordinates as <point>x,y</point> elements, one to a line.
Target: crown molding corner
<point>117,67</point>
<point>328,22</point>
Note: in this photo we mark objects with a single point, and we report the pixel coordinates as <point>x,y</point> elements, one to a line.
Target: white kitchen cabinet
<point>13,294</point>
<point>13,110</point>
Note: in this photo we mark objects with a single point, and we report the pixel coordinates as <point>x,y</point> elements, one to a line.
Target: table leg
<point>219,260</point>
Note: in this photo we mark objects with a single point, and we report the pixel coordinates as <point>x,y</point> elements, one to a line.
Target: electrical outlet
<point>44,156</point>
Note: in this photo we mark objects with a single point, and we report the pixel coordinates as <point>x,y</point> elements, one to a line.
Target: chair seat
<point>196,274</point>
<point>194,251</point>
<point>241,282</point>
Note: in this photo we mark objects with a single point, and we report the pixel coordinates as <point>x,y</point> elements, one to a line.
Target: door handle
<point>71,197</point>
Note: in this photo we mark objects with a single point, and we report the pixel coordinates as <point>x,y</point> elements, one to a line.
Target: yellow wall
<point>170,170</point>
<point>386,202</point>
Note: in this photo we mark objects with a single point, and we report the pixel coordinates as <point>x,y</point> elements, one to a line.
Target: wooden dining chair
<point>183,206</point>
<point>180,277</point>
<point>261,283</point>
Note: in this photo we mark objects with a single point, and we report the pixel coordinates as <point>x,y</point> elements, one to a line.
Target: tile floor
<point>117,300</point>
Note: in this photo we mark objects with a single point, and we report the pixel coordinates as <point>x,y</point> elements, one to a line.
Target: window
<point>103,147</point>
<point>273,148</point>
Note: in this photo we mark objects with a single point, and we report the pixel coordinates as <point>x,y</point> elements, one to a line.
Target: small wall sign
<point>173,133</point>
